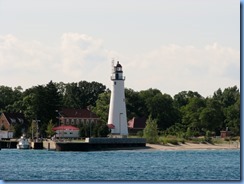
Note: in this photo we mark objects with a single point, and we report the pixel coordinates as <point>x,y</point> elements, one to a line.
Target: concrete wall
<point>115,140</point>
<point>49,145</point>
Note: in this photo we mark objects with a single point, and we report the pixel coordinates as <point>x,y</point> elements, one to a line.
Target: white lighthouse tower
<point>117,119</point>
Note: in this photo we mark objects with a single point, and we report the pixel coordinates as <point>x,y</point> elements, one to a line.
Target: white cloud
<point>174,68</point>
<point>170,68</point>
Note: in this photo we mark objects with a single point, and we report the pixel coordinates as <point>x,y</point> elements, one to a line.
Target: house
<point>9,120</point>
<point>75,117</point>
<point>66,131</point>
<point>136,124</point>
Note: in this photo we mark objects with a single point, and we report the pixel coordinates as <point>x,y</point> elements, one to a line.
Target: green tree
<point>17,130</point>
<point>230,105</point>
<point>212,116</point>
<point>100,130</point>
<point>146,98</point>
<point>83,130</point>
<point>133,104</point>
<point>150,132</point>
<point>232,114</point>
<point>82,94</point>
<point>50,132</point>
<point>102,106</point>
<point>191,114</point>
<point>183,97</point>
<point>161,109</point>
<point>8,96</point>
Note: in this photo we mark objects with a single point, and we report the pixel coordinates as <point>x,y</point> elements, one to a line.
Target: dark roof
<point>15,117</point>
<point>137,123</point>
<point>77,113</point>
<point>63,127</point>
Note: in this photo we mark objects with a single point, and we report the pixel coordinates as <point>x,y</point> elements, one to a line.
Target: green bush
<point>139,133</point>
<point>150,132</point>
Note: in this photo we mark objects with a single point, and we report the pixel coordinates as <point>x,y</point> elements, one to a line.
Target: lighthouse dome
<point>118,65</point>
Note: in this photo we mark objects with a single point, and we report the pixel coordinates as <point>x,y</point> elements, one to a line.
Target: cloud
<point>80,53</point>
<point>171,68</point>
<point>174,68</point>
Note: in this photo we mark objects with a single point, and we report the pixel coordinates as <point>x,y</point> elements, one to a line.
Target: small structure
<point>224,134</point>
<point>66,131</point>
<point>117,118</point>
<point>136,124</point>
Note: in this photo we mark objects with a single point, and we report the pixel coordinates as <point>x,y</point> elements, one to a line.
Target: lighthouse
<point>117,118</point>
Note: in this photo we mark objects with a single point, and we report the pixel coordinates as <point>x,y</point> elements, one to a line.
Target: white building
<point>117,119</point>
<point>6,134</point>
<point>66,132</point>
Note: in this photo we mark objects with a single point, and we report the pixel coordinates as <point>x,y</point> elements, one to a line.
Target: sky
<point>170,45</point>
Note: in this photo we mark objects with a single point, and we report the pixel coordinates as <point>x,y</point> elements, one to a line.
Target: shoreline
<point>193,146</point>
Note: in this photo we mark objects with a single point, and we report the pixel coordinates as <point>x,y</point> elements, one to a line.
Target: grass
<point>171,140</point>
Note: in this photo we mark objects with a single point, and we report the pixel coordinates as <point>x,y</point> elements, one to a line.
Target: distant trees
<point>82,94</point>
<point>41,102</point>
<point>187,113</point>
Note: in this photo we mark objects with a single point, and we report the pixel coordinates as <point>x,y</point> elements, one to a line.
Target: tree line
<point>185,113</point>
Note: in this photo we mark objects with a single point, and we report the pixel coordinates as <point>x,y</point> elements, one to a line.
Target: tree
<point>150,132</point>
<point>191,114</point>
<point>133,104</point>
<point>230,96</point>
<point>232,114</point>
<point>102,106</point>
<point>8,96</point>
<point>17,130</point>
<point>146,97</point>
<point>212,116</point>
<point>229,100</point>
<point>83,130</point>
<point>82,94</point>
<point>183,97</point>
<point>161,109</point>
<point>100,129</point>
<point>50,132</point>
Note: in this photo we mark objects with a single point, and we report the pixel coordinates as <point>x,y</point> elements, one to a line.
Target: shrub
<point>150,132</point>
<point>139,133</point>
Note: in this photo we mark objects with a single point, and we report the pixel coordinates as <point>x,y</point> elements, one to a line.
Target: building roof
<point>77,113</point>
<point>137,123</point>
<point>14,117</point>
<point>63,127</point>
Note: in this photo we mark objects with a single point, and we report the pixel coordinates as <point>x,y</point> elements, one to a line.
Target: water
<point>120,165</point>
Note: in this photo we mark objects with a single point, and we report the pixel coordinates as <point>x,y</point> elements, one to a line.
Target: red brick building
<point>75,117</point>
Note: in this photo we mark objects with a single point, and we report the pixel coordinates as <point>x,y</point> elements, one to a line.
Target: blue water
<point>120,165</point>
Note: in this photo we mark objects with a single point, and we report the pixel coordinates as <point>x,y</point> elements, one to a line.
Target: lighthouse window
<point>114,83</point>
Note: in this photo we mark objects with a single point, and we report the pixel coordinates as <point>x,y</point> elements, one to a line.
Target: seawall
<point>100,144</point>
